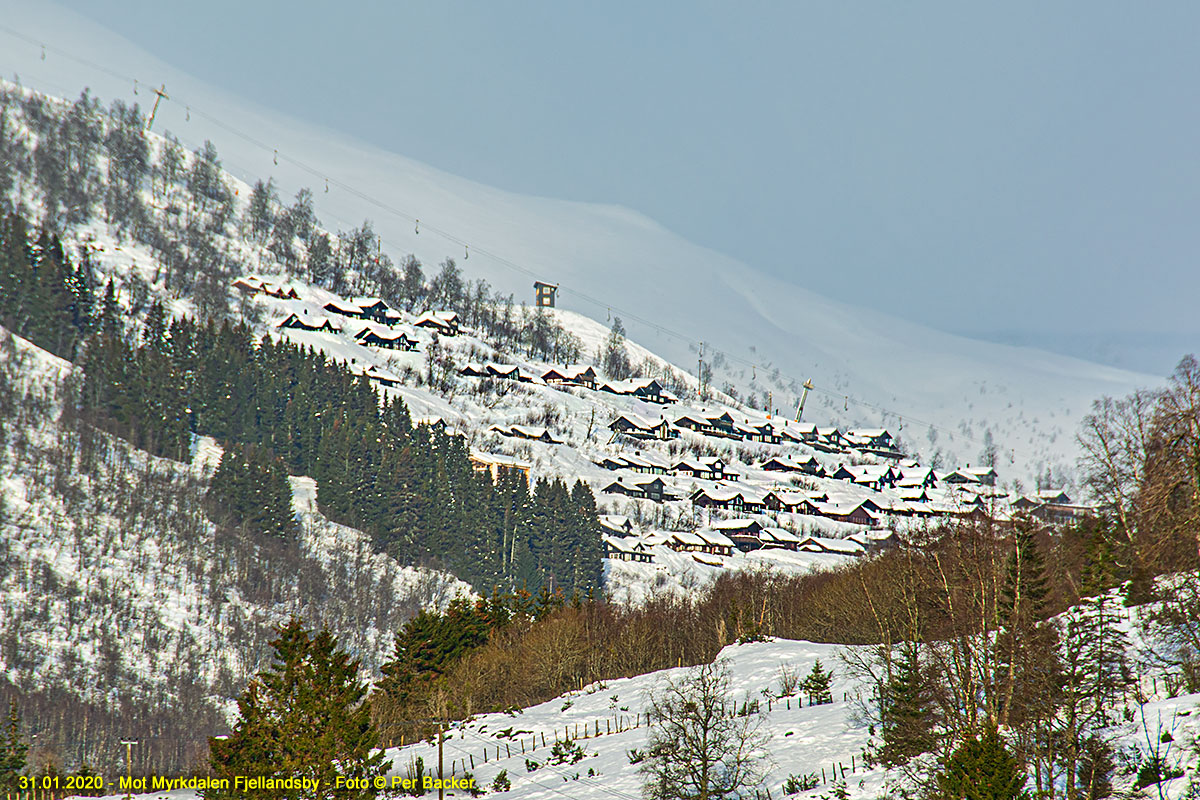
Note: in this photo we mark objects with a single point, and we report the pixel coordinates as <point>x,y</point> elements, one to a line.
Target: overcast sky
<point>1023,172</point>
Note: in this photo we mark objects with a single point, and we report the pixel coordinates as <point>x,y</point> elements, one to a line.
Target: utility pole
<point>159,94</point>
<point>441,723</point>
<point>700,370</point>
<point>129,743</point>
<point>808,384</point>
<point>441,777</point>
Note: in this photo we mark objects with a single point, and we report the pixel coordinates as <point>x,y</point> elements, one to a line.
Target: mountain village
<point>737,481</point>
<point>243,455</point>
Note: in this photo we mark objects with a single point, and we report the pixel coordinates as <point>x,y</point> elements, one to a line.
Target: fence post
<point>822,775</point>
<point>472,761</point>
<point>509,749</point>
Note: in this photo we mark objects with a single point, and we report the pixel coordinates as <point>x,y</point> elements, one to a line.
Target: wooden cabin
<point>443,322</point>
<point>392,342</point>
<point>642,427</point>
<point>571,375</point>
<point>309,323</point>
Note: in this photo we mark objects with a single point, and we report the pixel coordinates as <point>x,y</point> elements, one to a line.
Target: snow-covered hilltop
<point>762,336</point>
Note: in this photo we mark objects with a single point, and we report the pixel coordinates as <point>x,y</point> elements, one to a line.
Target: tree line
<point>280,408</point>
<point>82,161</point>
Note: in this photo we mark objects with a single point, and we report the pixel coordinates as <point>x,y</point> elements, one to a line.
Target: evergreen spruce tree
<point>1023,599</point>
<point>906,711</point>
<point>304,717</point>
<point>818,685</point>
<point>250,491</point>
<point>428,645</point>
<point>13,750</point>
<point>983,769</point>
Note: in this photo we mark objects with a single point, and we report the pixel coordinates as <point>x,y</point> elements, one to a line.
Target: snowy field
<point>802,739</point>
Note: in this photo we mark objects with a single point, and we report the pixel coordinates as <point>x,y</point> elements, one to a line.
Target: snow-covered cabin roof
<point>824,544</point>
<point>382,376</point>
<point>311,322</point>
<point>616,522</point>
<point>345,309</point>
<point>870,433</point>
<point>714,538</point>
<point>639,422</point>
<point>631,386</point>
<point>742,525</point>
<point>781,535</point>
<point>571,372</point>
<point>370,303</point>
<point>688,538</point>
<point>644,461</point>
<point>441,320</point>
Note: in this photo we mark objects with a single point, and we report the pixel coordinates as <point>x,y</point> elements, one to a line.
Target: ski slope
<point>760,334</point>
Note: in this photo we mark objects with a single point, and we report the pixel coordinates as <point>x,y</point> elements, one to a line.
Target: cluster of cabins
<point>881,488</point>
<point>909,490</point>
<point>525,432</point>
<point>1053,506</point>
<point>251,286</point>
<point>723,425</point>
<point>369,319</point>
<point>724,538</point>
<point>648,389</point>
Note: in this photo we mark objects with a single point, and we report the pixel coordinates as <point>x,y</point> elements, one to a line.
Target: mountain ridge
<point>880,367</point>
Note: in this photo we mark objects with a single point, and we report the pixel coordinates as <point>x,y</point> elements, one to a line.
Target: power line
<point>459,241</point>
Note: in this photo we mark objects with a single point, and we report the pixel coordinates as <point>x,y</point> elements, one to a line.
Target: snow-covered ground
<point>607,719</point>
<point>629,582</point>
<point>114,547</point>
<point>761,334</point>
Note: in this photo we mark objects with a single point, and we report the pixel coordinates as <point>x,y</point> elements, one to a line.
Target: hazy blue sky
<point>1026,172</point>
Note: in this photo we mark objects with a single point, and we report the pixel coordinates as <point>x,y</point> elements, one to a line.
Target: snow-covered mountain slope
<point>761,334</point>
<point>118,595</point>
